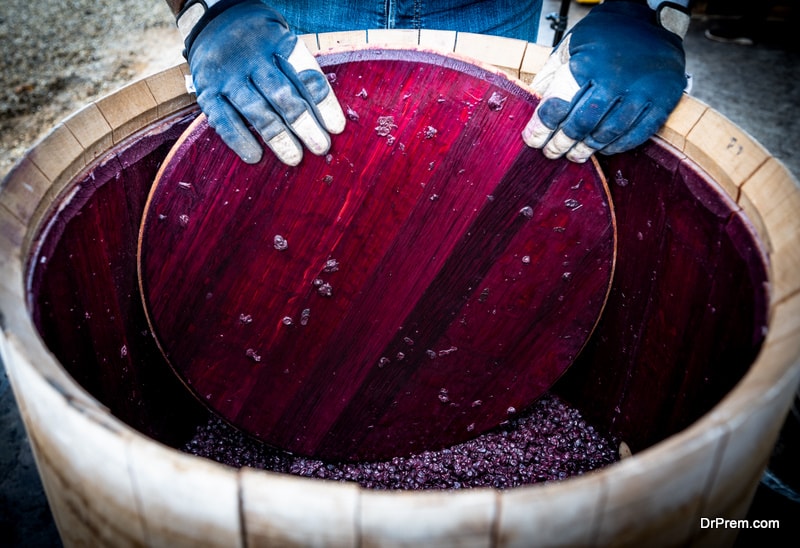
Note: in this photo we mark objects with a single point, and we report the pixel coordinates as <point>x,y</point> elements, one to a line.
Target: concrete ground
<point>754,86</point>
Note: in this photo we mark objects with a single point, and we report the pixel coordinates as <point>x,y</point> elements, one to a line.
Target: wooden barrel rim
<point>759,184</point>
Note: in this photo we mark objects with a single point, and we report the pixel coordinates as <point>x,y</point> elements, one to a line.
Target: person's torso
<point>509,18</point>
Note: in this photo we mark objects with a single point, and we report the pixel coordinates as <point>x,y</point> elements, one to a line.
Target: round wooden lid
<point>422,283</point>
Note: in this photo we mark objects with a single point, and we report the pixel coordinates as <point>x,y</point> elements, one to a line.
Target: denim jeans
<point>509,18</point>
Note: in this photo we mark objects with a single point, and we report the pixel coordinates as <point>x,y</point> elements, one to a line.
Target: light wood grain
<point>525,513</point>
<point>432,518</point>
<point>129,110</point>
<point>724,150</point>
<point>532,61</point>
<point>182,500</point>
<point>504,53</point>
<point>751,417</point>
<point>785,265</point>
<point>438,40</point>
<point>753,217</point>
<point>59,155</point>
<point>75,455</point>
<point>277,510</point>
<point>168,88</point>
<point>311,42</point>
<point>685,116</point>
<point>394,38</point>
<point>91,130</point>
<point>12,234</point>
<point>775,195</point>
<point>630,515</point>
<point>25,187</point>
<point>337,40</point>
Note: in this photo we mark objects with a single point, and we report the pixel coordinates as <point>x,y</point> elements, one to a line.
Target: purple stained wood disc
<point>425,281</point>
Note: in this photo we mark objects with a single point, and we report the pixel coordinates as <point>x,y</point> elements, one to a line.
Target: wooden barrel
<point>110,484</point>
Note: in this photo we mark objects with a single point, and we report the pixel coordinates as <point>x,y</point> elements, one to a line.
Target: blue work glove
<point>249,68</point>
<point>612,81</point>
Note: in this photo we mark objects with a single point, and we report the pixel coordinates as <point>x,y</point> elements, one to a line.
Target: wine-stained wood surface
<point>100,334</point>
<point>690,290</point>
<point>417,286</point>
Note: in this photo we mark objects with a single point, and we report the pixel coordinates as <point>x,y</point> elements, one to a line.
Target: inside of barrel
<point>685,319</point>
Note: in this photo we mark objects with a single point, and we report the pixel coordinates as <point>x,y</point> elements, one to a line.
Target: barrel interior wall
<point>683,323</point>
<point>84,293</point>
<point>687,313</point>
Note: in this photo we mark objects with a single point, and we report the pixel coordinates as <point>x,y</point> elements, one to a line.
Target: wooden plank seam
<point>602,503</point>
<point>137,496</point>
<point>10,213</point>
<point>692,127</point>
<point>388,43</point>
<point>494,528</point>
<point>240,509</point>
<point>712,479</point>
<point>6,197</point>
<point>795,227</point>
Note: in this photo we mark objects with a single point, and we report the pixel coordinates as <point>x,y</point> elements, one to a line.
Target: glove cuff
<point>190,15</point>
<point>673,17</point>
<point>196,14</point>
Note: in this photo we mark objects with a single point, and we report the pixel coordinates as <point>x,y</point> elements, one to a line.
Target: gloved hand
<point>248,67</point>
<point>612,81</point>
